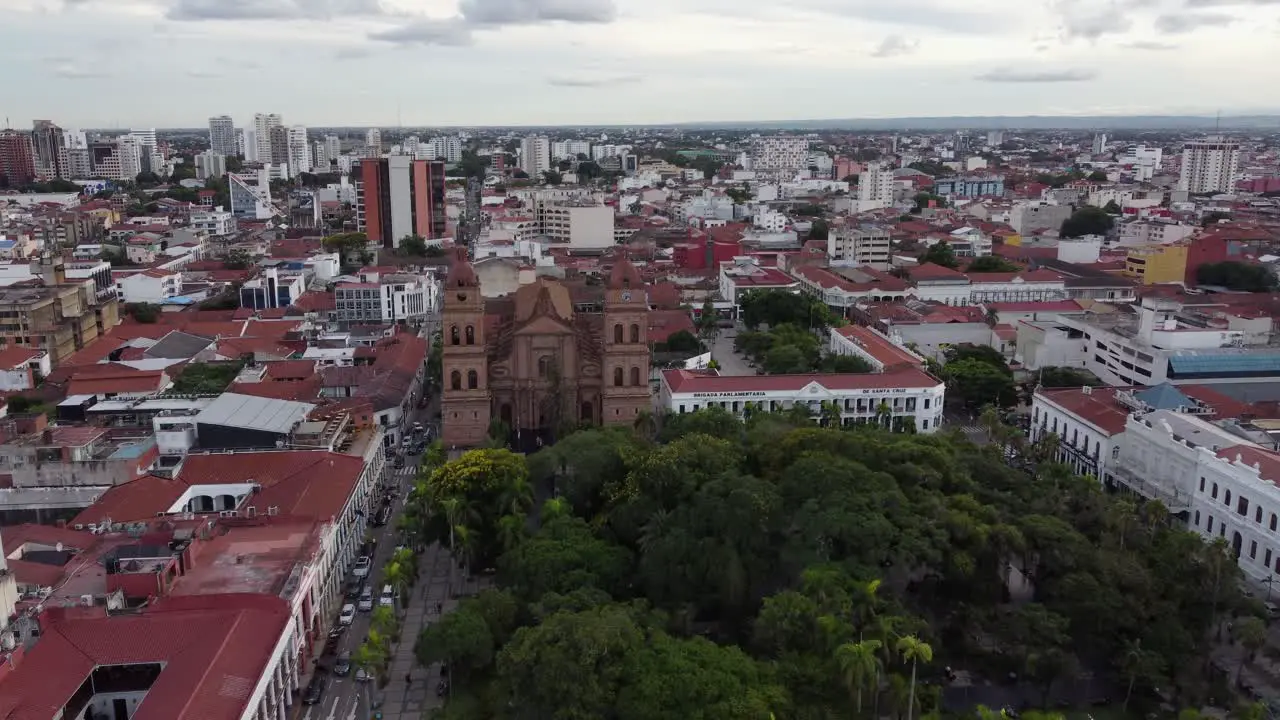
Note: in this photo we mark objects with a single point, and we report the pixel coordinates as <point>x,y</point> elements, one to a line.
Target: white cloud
<point>499,62</point>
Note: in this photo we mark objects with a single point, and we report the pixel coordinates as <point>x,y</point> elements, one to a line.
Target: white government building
<point>862,398</point>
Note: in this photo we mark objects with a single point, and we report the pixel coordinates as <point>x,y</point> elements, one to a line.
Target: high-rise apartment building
<point>373,141</point>
<point>299,151</point>
<point>875,187</point>
<point>49,145</point>
<point>1209,165</point>
<point>995,138</point>
<point>566,149</point>
<point>146,138</point>
<point>222,135</point>
<point>278,142</point>
<point>75,140</point>
<point>333,147</point>
<point>210,164</point>
<point>17,158</point>
<point>535,155</point>
<point>779,152</point>
<point>399,196</point>
<point>447,148</point>
<point>262,125</point>
<point>1099,143</point>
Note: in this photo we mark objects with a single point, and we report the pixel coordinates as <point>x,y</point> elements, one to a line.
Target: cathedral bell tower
<point>465,405</point>
<point>625,393</point>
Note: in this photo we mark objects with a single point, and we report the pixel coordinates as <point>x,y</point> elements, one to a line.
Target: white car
<point>348,614</point>
<point>362,567</point>
<point>388,597</point>
<point>366,601</point>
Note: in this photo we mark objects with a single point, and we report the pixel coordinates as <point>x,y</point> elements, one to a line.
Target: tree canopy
<point>940,253</point>
<point>1088,220</point>
<point>699,566</point>
<point>994,264</point>
<point>1240,276</point>
<point>779,307</point>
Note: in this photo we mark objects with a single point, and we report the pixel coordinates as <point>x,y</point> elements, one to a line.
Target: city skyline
<point>583,62</point>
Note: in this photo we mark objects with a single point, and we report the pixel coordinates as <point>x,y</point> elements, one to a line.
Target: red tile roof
<point>1267,462</point>
<point>686,381</point>
<point>302,483</point>
<point>15,357</point>
<point>291,369</point>
<point>930,271</point>
<point>213,649</point>
<point>121,379</point>
<point>827,280</point>
<point>879,347</point>
<point>1097,407</point>
<point>665,323</point>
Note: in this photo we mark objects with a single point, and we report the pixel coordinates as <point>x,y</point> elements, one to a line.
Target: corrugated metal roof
<point>254,413</point>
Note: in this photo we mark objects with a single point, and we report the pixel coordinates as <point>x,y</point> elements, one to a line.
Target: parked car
<point>342,666</point>
<point>366,600</point>
<point>354,586</point>
<point>315,690</point>
<point>362,567</point>
<point>362,675</point>
<point>388,597</point>
<point>348,614</point>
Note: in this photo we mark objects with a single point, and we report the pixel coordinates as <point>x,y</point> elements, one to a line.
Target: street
<point>343,697</point>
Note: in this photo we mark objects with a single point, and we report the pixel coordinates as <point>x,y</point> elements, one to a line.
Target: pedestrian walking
<point>408,677</point>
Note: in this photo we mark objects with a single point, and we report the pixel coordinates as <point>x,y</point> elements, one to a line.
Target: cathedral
<point>539,361</point>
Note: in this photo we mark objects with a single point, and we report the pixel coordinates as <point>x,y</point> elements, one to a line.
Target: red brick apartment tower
<point>17,158</point>
<point>465,405</point>
<point>626,347</point>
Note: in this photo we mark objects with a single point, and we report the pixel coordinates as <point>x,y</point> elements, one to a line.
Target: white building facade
<point>1209,166</point>
<point>895,400</point>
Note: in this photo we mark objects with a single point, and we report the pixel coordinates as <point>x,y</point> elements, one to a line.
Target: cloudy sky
<point>173,63</point>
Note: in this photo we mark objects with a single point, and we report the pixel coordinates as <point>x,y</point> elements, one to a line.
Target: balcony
<point>1134,478</point>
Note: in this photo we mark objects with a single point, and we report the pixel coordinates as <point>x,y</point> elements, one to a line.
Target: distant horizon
<point>1234,121</point>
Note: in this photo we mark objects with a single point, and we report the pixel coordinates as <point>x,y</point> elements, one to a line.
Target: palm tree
<point>397,577</point>
<point>554,508</point>
<point>467,539</point>
<point>884,413</point>
<point>859,667</point>
<point>408,561</point>
<point>383,621</point>
<point>517,497</point>
<point>1251,633</point>
<point>510,531</point>
<point>867,602</point>
<point>369,657</point>
<point>916,651</point>
<point>1134,663</point>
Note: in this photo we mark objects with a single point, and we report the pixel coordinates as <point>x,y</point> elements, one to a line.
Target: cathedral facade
<point>537,365</point>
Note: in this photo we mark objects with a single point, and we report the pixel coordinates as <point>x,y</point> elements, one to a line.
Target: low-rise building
<point>896,399</point>
<point>875,347</point>
<point>867,245</point>
<point>153,285</point>
<point>216,222</point>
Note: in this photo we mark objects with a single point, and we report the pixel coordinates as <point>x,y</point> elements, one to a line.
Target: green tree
<point>1097,176</point>
<point>860,667</point>
<point>974,383</point>
<point>914,651</point>
<point>1087,220</point>
<point>940,253</point>
<point>145,313</point>
<point>1213,218</point>
<point>819,230</point>
<point>413,245</point>
<point>562,556</point>
<point>552,177</point>
<point>1112,208</point>
<point>1238,276</point>
<point>992,264</point>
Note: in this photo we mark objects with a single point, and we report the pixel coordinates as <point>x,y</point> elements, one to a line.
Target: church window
<point>635,376</point>
<point>471,335</point>
<point>542,366</point>
<point>635,333</point>
<point>455,380</point>
<point>453,336</point>
<point>617,375</point>
<point>617,333</point>
<point>473,380</point>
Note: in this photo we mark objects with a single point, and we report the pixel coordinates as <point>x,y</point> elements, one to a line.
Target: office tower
<point>1209,165</point>
<point>333,147</point>
<point>75,140</point>
<point>399,196</point>
<point>995,138</point>
<point>277,146</point>
<point>222,135</point>
<point>134,155</point>
<point>262,125</point>
<point>250,142</point>
<point>49,145</point>
<point>298,151</point>
<point>146,138</point>
<point>210,164</point>
<point>373,141</point>
<point>535,155</point>
<point>1099,143</point>
<point>17,158</point>
<point>320,160</point>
